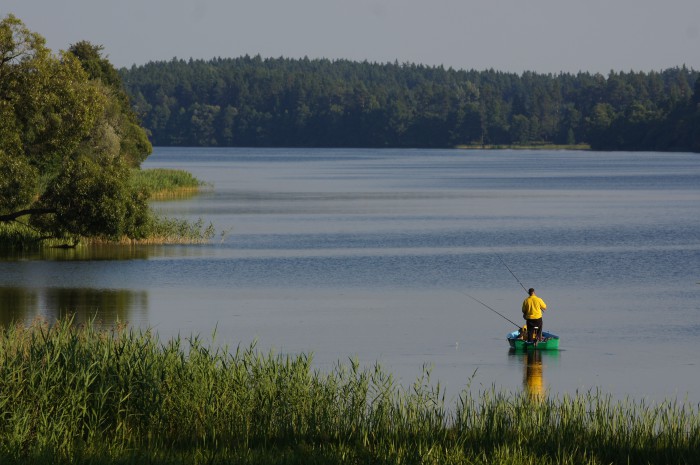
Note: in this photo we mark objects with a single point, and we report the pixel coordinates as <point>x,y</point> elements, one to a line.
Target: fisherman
<point>533,307</point>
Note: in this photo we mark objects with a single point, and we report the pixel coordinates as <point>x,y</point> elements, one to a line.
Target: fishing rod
<point>511,271</point>
<point>494,311</point>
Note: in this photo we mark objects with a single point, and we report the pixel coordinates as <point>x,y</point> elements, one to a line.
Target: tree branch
<point>29,211</point>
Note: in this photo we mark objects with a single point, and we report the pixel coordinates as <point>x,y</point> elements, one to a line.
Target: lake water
<point>374,254</point>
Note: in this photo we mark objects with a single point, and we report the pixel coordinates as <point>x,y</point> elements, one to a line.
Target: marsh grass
<point>80,394</point>
<point>18,236</point>
<point>165,184</point>
<point>164,230</point>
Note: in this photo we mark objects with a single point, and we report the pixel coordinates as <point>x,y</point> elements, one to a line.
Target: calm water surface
<point>370,254</point>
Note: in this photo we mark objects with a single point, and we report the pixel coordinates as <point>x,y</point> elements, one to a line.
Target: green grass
<point>164,230</point>
<point>162,184</point>
<point>16,237</point>
<point>80,394</point>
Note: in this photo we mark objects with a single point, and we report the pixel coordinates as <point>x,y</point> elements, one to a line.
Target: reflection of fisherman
<point>533,307</point>
<point>534,381</point>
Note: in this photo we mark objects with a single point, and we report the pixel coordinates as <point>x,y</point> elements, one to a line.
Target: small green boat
<point>549,341</point>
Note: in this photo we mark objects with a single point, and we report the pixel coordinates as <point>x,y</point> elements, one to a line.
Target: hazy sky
<point>507,35</point>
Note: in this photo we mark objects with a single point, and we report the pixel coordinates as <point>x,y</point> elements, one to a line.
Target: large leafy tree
<point>67,140</point>
<point>119,118</point>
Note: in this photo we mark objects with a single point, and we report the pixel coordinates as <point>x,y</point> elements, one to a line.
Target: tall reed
<point>162,184</point>
<point>80,394</point>
<point>17,236</point>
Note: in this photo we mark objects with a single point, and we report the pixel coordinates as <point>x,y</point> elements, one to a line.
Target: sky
<point>544,36</point>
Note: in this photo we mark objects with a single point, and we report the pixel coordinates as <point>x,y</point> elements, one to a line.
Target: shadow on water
<point>534,363</point>
<point>105,306</point>
<point>101,252</point>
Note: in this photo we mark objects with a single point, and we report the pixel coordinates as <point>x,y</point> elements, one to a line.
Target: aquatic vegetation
<point>17,236</point>
<point>80,394</point>
<point>156,230</point>
<point>164,184</point>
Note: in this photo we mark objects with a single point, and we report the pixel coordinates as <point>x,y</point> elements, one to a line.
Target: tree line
<point>251,101</point>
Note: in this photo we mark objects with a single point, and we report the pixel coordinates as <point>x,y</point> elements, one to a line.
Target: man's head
<point>531,291</point>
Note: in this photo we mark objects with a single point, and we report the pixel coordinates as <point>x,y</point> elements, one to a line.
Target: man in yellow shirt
<point>533,307</point>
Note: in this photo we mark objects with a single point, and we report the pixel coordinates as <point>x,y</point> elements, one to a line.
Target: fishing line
<point>488,307</point>
<point>494,311</point>
<point>511,271</point>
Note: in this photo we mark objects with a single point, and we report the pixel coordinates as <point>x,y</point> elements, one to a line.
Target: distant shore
<point>525,147</point>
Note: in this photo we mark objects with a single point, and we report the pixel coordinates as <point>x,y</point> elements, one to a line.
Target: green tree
<point>66,142</point>
<point>119,119</point>
<point>599,122</point>
<point>520,129</point>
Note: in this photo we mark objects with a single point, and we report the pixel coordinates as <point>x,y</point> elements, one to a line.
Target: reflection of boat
<point>549,341</point>
<point>533,367</point>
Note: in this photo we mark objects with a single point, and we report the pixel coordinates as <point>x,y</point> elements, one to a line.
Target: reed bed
<point>164,184</point>
<point>80,394</point>
<point>18,236</point>
<point>159,230</point>
<point>163,230</point>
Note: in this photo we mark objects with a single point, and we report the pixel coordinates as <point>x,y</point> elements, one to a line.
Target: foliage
<point>67,140</point>
<point>134,145</point>
<point>18,183</point>
<point>250,101</point>
<point>80,394</point>
<point>87,198</point>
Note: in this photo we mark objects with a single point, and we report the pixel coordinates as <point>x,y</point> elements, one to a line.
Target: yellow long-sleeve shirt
<point>533,307</point>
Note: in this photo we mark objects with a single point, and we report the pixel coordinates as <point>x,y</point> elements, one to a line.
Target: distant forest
<point>255,102</point>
